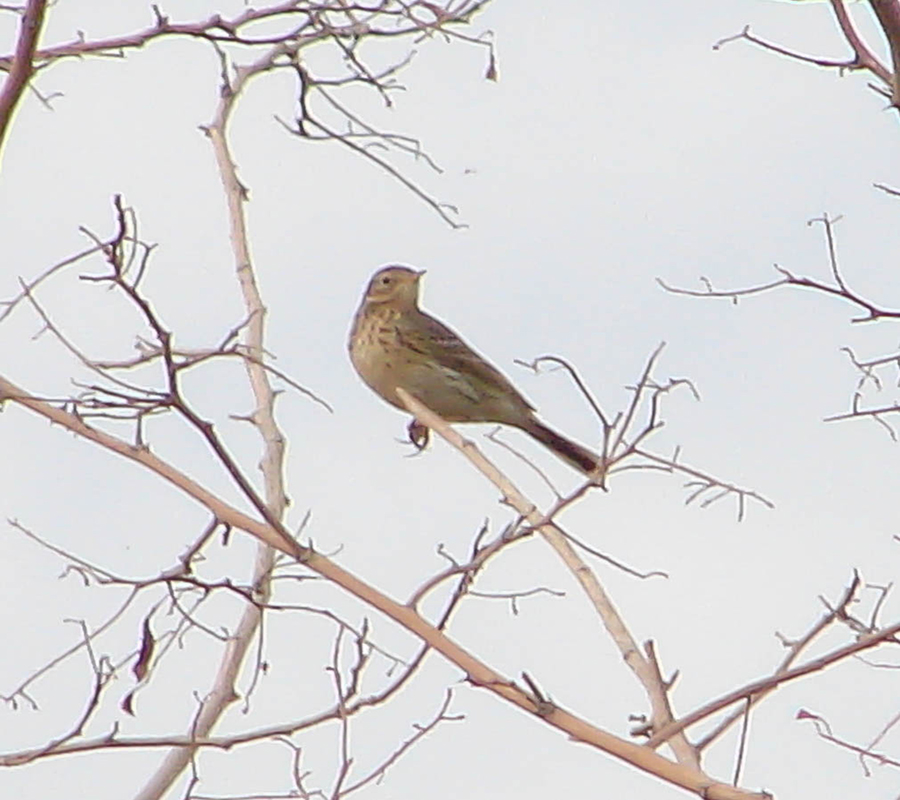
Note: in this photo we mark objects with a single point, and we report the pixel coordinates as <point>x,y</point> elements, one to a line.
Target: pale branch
<point>271,531</point>
<point>664,686</point>
<point>562,501</point>
<point>615,625</point>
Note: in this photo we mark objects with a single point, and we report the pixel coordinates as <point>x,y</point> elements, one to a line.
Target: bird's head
<point>395,285</point>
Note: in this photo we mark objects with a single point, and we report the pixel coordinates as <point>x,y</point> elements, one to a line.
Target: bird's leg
<point>419,434</point>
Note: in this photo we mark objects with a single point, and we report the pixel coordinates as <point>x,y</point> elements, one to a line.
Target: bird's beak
<point>421,272</point>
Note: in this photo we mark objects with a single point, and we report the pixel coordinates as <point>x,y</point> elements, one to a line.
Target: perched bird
<point>393,343</point>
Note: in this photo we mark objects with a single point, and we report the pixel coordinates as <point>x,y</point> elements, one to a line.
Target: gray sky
<point>616,148</point>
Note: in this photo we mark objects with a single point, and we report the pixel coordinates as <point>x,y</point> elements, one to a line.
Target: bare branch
<point>873,640</point>
<point>863,57</point>
<point>20,67</point>
<point>838,289</point>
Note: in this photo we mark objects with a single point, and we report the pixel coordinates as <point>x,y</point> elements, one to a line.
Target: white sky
<point>616,148</point>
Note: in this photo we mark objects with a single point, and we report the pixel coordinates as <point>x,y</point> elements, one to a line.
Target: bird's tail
<point>571,452</point>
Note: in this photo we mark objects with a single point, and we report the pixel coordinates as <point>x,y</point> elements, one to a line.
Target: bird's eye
<point>385,280</point>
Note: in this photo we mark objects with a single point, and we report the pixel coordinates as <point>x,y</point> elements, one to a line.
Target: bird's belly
<point>378,370</point>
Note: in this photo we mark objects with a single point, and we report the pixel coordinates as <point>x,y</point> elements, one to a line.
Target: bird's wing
<point>443,346</point>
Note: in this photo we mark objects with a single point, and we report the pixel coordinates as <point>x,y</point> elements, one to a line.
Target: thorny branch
<point>309,22</point>
<point>348,704</point>
<point>686,756</point>
<point>795,650</point>
<point>619,453</point>
<point>344,24</point>
<point>622,438</point>
<point>620,441</point>
<point>127,260</point>
<point>862,642</point>
<point>304,24</point>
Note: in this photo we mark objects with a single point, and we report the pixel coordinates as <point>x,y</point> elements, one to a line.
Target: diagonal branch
<point>865,58</point>
<point>767,684</point>
<point>888,15</point>
<point>477,672</point>
<point>22,67</point>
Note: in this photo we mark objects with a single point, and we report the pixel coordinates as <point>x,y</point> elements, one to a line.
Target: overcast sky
<point>616,148</point>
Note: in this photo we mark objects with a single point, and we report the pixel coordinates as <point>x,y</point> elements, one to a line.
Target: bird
<point>394,344</point>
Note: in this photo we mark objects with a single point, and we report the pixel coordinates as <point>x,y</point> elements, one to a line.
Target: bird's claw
<point>419,435</point>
